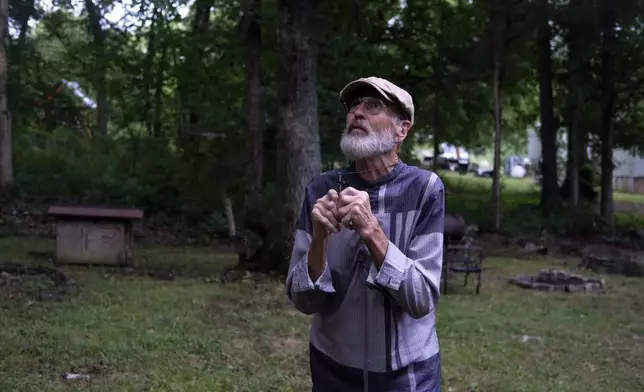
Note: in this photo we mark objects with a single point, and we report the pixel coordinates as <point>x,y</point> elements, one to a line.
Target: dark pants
<point>329,376</point>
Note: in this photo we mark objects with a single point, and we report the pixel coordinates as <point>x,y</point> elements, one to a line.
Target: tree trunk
<point>439,75</point>
<point>253,118</point>
<point>437,148</point>
<point>607,113</point>
<point>94,20</point>
<point>298,121</point>
<point>580,41</point>
<point>6,160</point>
<point>578,72</point>
<point>574,105</point>
<point>16,84</point>
<point>230,215</point>
<point>498,112</point>
<point>191,79</point>
<point>158,89</point>
<point>159,76</point>
<point>549,185</point>
<point>148,73</point>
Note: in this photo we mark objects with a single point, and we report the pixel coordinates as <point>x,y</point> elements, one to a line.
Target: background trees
<point>181,107</point>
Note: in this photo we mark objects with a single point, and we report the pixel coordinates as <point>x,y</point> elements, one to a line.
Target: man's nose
<point>359,111</point>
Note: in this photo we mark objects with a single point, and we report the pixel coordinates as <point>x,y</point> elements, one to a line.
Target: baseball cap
<point>388,90</point>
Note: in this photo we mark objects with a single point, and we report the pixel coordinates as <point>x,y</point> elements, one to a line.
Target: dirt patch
<point>289,343</point>
<point>27,283</point>
<point>561,247</point>
<point>242,343</point>
<point>615,264</point>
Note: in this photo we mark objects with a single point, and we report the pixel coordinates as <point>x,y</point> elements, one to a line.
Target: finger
<point>351,191</point>
<point>345,210</point>
<point>332,195</point>
<point>346,199</point>
<point>328,204</point>
<point>330,215</point>
<point>319,216</point>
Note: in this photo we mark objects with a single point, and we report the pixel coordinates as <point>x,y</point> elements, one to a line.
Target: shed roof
<point>95,212</point>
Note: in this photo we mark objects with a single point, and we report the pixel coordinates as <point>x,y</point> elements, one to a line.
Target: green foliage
<point>521,213</point>
<point>124,172</point>
<point>163,69</point>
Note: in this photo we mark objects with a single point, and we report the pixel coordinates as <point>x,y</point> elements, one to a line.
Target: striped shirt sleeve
<point>307,296</point>
<point>413,279</point>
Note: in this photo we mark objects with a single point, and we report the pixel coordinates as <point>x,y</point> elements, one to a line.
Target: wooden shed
<point>90,235</point>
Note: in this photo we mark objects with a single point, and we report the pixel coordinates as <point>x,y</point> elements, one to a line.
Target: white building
<point>628,174</point>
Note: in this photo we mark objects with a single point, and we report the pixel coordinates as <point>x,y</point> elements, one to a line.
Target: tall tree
<point>6,160</point>
<point>549,186</point>
<point>578,26</point>
<point>253,116</point>
<point>25,11</point>
<point>94,16</point>
<point>160,76</point>
<point>575,101</point>
<point>148,75</point>
<point>438,68</point>
<point>298,116</point>
<point>192,75</point>
<point>507,22</point>
<point>498,74</point>
<point>607,109</point>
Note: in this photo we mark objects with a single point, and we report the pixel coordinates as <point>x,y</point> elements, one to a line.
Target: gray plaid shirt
<point>375,320</point>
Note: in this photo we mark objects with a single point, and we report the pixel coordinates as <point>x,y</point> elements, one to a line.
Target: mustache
<point>358,124</point>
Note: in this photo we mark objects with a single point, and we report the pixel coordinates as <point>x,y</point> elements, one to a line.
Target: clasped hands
<point>349,208</point>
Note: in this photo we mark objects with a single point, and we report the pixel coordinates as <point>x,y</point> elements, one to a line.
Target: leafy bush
<point>471,197</point>
<point>121,173</point>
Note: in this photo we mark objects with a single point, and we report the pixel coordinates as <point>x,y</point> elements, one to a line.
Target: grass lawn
<point>135,333</point>
<point>470,196</point>
<point>517,185</point>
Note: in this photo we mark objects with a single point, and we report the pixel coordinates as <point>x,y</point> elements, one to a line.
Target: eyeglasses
<point>372,105</point>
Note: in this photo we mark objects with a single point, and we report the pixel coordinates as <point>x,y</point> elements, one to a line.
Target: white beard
<point>356,146</point>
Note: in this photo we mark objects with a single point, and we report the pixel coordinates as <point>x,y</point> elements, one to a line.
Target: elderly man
<point>367,256</point>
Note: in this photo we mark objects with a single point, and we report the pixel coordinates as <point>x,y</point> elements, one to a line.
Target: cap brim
<point>350,88</point>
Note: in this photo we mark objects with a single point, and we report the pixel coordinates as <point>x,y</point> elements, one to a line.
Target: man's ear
<point>402,130</point>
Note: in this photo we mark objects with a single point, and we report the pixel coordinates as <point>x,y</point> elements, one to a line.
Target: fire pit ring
<point>558,280</point>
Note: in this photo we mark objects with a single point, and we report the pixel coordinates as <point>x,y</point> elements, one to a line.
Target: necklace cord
<point>340,174</point>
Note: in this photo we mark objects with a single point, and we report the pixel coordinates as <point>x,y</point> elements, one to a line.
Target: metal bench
<point>89,235</point>
<point>459,258</point>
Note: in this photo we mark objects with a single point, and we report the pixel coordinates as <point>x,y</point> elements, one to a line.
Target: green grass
<point>142,334</point>
<point>517,186</point>
<point>197,334</point>
<point>470,196</point>
<point>629,197</point>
